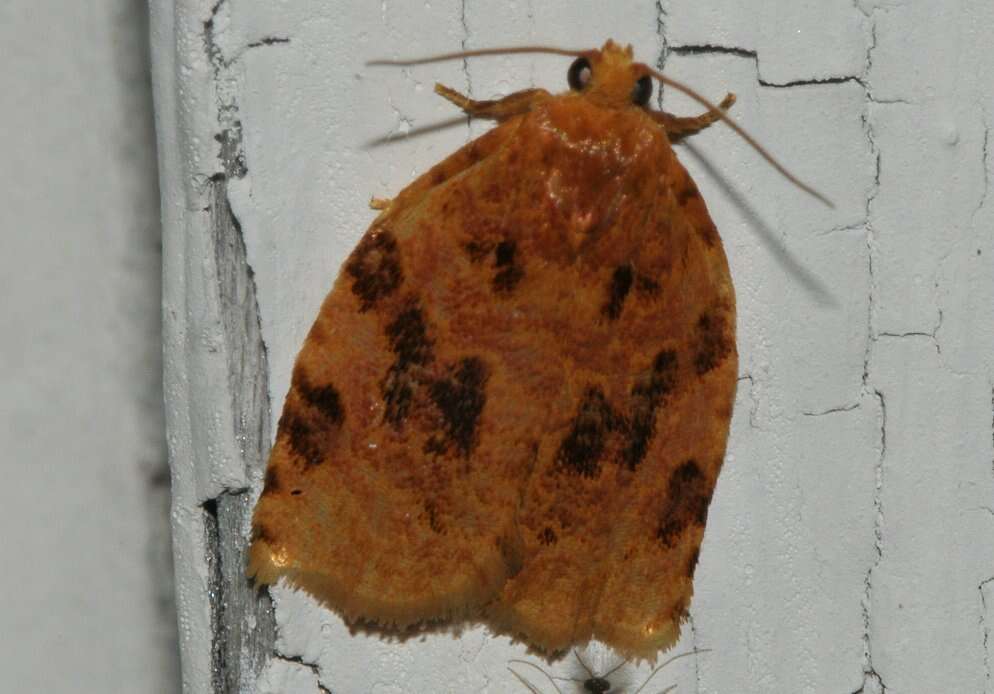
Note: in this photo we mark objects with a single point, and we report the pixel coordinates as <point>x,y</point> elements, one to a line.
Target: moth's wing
<point>378,499</point>
<point>649,564</point>
<point>631,375</point>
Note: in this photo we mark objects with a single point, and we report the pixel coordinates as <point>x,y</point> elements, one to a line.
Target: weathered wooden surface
<point>849,546</point>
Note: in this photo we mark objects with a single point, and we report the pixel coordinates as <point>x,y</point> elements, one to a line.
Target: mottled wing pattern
<point>633,380</point>
<point>516,398</point>
<point>380,497</point>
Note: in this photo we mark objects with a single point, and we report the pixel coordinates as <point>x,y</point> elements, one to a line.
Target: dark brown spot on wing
<point>460,397</point>
<point>509,273</point>
<point>408,337</point>
<point>708,232</point>
<point>714,343</point>
<point>548,536</point>
<point>504,253</point>
<point>646,285</point>
<point>374,267</point>
<point>582,448</point>
<point>478,250</point>
<point>697,214</point>
<point>600,432</point>
<point>261,533</point>
<point>647,395</point>
<point>311,421</point>
<point>687,192</point>
<point>324,399</point>
<point>272,485</point>
<point>692,562</point>
<point>431,516</point>
<point>621,284</point>
<point>398,392</point>
<point>687,498</point>
<point>305,440</point>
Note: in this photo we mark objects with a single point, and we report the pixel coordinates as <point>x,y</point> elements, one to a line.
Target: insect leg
<point>678,127</point>
<point>511,105</point>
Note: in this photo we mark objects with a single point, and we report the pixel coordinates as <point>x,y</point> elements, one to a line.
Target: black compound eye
<point>579,74</point>
<point>642,91</point>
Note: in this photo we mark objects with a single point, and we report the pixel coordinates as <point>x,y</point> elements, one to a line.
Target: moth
<point>513,405</point>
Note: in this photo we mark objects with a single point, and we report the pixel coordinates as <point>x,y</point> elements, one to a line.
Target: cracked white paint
<point>795,40</point>
<point>281,676</point>
<point>848,546</point>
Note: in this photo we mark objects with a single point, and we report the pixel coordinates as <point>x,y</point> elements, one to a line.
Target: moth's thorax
<point>616,137</point>
<point>594,173</point>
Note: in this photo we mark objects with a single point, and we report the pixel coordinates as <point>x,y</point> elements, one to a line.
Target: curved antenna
<point>524,681</point>
<point>583,664</point>
<point>521,678</point>
<point>414,132</point>
<point>614,669</point>
<point>680,86</point>
<point>591,672</point>
<point>667,662</point>
<point>509,50</point>
<point>506,50</point>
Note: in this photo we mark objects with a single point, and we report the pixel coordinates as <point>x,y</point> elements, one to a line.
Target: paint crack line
<point>465,46</point>
<point>870,676</point>
<point>985,163</point>
<point>985,628</point>
<point>313,667</point>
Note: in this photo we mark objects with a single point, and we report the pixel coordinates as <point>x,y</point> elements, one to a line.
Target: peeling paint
<point>242,618</point>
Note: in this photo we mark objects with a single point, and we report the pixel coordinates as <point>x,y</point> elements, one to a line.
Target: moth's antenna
<point>506,50</point>
<point>509,50</point>
<point>525,682</point>
<point>667,662</point>
<point>741,132</point>
<point>614,669</point>
<point>590,672</point>
<point>521,678</point>
<point>582,664</point>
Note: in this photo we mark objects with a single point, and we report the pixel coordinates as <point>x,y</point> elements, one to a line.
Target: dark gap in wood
<point>244,627</point>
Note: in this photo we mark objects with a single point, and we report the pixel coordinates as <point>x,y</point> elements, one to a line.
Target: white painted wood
<point>850,540</point>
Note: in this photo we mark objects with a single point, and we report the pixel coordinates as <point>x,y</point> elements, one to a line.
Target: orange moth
<point>514,403</point>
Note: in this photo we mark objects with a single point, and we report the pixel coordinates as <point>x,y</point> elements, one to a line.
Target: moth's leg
<point>379,203</point>
<point>678,128</point>
<point>511,105</point>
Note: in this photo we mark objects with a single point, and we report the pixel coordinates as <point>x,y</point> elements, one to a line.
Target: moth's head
<point>609,77</point>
